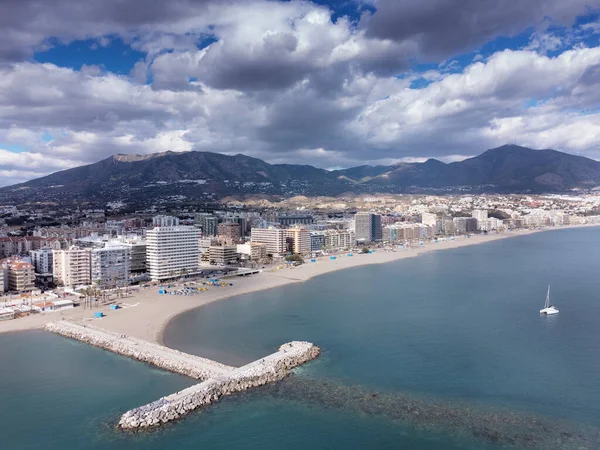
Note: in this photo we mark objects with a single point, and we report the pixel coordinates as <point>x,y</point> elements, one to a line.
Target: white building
<point>273,238</point>
<point>172,251</point>
<point>481,215</point>
<point>428,219</point>
<point>72,267</point>
<point>110,266</point>
<point>42,260</point>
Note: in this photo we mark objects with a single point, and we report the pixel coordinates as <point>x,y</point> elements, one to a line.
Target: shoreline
<point>146,314</point>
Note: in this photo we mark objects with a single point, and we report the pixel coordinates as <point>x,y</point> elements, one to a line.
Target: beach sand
<point>149,313</point>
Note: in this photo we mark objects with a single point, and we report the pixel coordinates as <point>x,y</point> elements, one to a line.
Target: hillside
<point>204,176</point>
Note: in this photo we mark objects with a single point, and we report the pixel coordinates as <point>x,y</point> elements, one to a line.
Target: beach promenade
<point>146,313</point>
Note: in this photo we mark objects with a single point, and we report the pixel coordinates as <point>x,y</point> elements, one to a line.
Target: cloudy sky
<point>329,83</point>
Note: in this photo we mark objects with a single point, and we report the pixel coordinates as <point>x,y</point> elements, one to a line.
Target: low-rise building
<point>253,250</point>
<point>222,254</point>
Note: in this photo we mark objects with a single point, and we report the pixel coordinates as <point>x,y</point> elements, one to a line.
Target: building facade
<point>367,227</point>
<point>301,242</point>
<point>18,275</point>
<point>42,260</point>
<point>110,266</point>
<point>338,239</point>
<point>229,231</point>
<point>172,251</point>
<point>207,223</point>
<point>222,254</point>
<point>165,221</point>
<point>72,267</point>
<point>295,220</point>
<point>253,250</point>
<point>273,238</point>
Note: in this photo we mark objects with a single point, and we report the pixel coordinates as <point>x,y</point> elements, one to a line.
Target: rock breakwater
<point>219,379</point>
<point>148,352</point>
<point>267,370</point>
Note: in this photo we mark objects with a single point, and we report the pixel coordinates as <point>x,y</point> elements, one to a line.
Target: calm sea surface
<point>443,351</point>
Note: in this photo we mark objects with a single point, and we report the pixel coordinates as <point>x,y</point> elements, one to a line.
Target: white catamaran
<point>548,308</point>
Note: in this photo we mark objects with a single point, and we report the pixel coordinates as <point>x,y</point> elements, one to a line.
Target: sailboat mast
<point>547,305</point>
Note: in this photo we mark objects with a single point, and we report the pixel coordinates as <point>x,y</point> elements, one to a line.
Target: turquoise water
<point>443,351</point>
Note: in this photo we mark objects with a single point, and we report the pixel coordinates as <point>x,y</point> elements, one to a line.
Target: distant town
<point>53,259</point>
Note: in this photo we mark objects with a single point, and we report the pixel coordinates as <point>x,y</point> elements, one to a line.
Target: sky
<point>333,84</point>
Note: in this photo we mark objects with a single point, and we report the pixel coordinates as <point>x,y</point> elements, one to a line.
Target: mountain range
<point>204,176</point>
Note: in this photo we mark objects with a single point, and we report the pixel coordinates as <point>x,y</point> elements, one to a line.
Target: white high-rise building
<point>72,267</point>
<point>110,265</point>
<point>481,215</point>
<point>42,260</point>
<point>172,251</point>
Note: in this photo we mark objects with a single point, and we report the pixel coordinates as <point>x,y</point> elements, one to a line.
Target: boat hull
<point>549,311</point>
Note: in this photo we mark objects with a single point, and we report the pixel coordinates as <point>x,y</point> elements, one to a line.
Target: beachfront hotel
<point>172,251</point>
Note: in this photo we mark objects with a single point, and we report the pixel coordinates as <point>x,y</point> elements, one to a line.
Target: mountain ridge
<point>205,175</point>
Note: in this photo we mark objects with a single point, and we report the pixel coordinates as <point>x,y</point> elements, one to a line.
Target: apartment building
<point>18,275</point>
<point>72,267</point>
<point>171,251</point>
<point>338,239</point>
<point>273,238</point>
<point>300,240</point>
<point>110,266</point>
<point>222,254</point>
<point>42,260</point>
<point>165,221</point>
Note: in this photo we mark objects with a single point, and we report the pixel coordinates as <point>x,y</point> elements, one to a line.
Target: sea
<point>443,351</point>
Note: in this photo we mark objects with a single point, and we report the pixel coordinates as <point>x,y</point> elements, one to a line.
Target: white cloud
<point>286,84</point>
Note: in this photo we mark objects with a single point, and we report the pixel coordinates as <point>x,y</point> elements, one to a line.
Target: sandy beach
<point>145,313</point>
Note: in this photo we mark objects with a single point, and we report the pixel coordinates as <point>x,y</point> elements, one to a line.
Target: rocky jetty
<point>219,379</point>
<point>148,352</point>
<point>270,369</point>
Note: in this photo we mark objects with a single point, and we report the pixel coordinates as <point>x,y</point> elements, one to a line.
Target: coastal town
<point>85,263</point>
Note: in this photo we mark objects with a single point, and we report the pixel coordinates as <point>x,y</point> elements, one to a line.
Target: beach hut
<point>98,315</point>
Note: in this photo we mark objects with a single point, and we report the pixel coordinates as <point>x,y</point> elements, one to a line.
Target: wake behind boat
<point>548,309</point>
